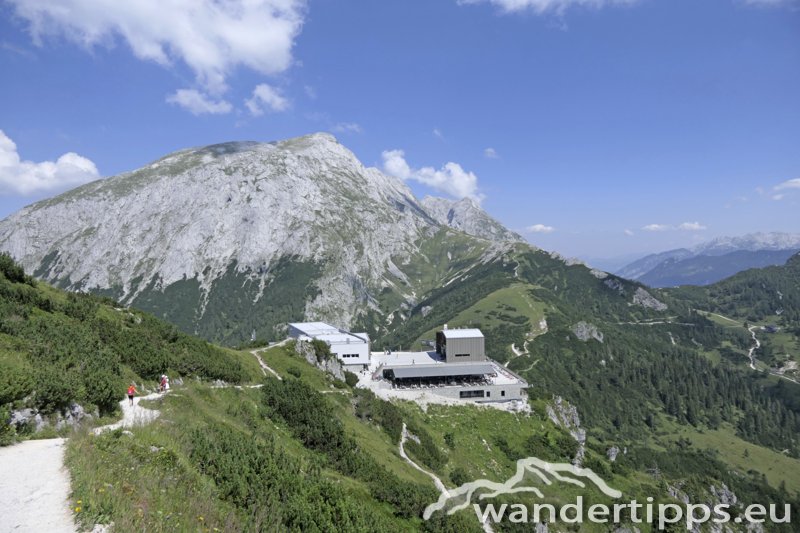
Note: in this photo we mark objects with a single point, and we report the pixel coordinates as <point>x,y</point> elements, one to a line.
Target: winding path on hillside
<point>436,481</point>
<point>440,486</point>
<point>34,487</point>
<point>756,346</point>
<point>133,415</point>
<point>264,366</point>
<point>34,483</point>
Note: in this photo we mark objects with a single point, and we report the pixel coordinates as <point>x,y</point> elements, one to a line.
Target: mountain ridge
<point>704,263</point>
<point>238,215</point>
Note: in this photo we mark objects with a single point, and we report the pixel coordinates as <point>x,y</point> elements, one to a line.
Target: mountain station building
<point>460,345</point>
<point>457,370</point>
<point>349,348</point>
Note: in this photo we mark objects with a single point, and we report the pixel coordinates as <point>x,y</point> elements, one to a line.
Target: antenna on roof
<point>445,326</point>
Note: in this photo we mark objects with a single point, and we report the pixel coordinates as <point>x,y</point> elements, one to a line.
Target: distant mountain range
<point>712,261</point>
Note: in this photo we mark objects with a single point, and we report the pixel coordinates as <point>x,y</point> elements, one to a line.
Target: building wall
<point>472,347</point>
<point>512,392</point>
<point>294,332</point>
<point>359,349</point>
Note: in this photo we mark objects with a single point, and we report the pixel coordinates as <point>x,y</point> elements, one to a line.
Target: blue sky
<point>596,128</point>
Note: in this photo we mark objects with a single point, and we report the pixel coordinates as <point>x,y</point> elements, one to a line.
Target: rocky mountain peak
<point>467,216</point>
<point>229,214</point>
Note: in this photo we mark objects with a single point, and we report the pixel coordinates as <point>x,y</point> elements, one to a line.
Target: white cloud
<point>27,177</point>
<point>491,153</point>
<point>692,226</point>
<point>789,184</point>
<point>540,228</point>
<point>656,227</point>
<point>347,127</point>
<point>770,3</point>
<point>266,98</point>
<point>198,103</point>
<point>438,133</point>
<point>628,232</point>
<point>310,91</point>
<point>211,37</point>
<point>450,179</point>
<point>545,6</point>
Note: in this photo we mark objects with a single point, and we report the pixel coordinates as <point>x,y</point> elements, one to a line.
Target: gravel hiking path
<point>34,484</point>
<point>404,436</point>
<point>34,488</point>
<point>264,366</point>
<point>133,415</point>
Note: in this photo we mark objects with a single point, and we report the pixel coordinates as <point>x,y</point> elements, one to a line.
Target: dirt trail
<point>755,347</point>
<point>34,484</point>
<point>133,415</point>
<point>264,366</point>
<point>436,481</point>
<point>34,488</point>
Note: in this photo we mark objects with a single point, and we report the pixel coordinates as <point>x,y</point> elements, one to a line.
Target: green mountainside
<point>757,294</point>
<point>765,302</point>
<point>643,363</point>
<point>311,453</point>
<point>58,349</point>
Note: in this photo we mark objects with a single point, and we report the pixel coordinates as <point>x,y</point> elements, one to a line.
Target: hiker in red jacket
<point>131,392</point>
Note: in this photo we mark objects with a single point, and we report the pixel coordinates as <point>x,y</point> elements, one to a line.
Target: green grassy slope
<point>678,364</point>
<point>307,454</point>
<point>285,456</point>
<point>766,298</point>
<point>58,348</point>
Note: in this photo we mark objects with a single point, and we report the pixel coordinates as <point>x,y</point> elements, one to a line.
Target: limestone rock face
<point>645,299</point>
<point>465,215</point>
<point>586,331</point>
<point>210,228</point>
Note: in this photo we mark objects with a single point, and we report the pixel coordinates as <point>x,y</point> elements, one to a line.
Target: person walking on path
<point>132,392</point>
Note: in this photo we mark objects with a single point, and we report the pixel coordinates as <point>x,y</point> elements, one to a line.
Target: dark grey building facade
<point>461,345</point>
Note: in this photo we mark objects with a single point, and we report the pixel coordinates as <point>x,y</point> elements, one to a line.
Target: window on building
<point>462,355</point>
<point>502,393</point>
<point>471,394</point>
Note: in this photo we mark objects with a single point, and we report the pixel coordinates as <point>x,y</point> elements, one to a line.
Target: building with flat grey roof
<point>457,370</point>
<point>477,381</point>
<point>349,348</point>
<point>460,345</point>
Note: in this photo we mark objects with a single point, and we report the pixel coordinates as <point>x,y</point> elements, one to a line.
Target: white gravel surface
<point>34,484</point>
<point>34,488</point>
